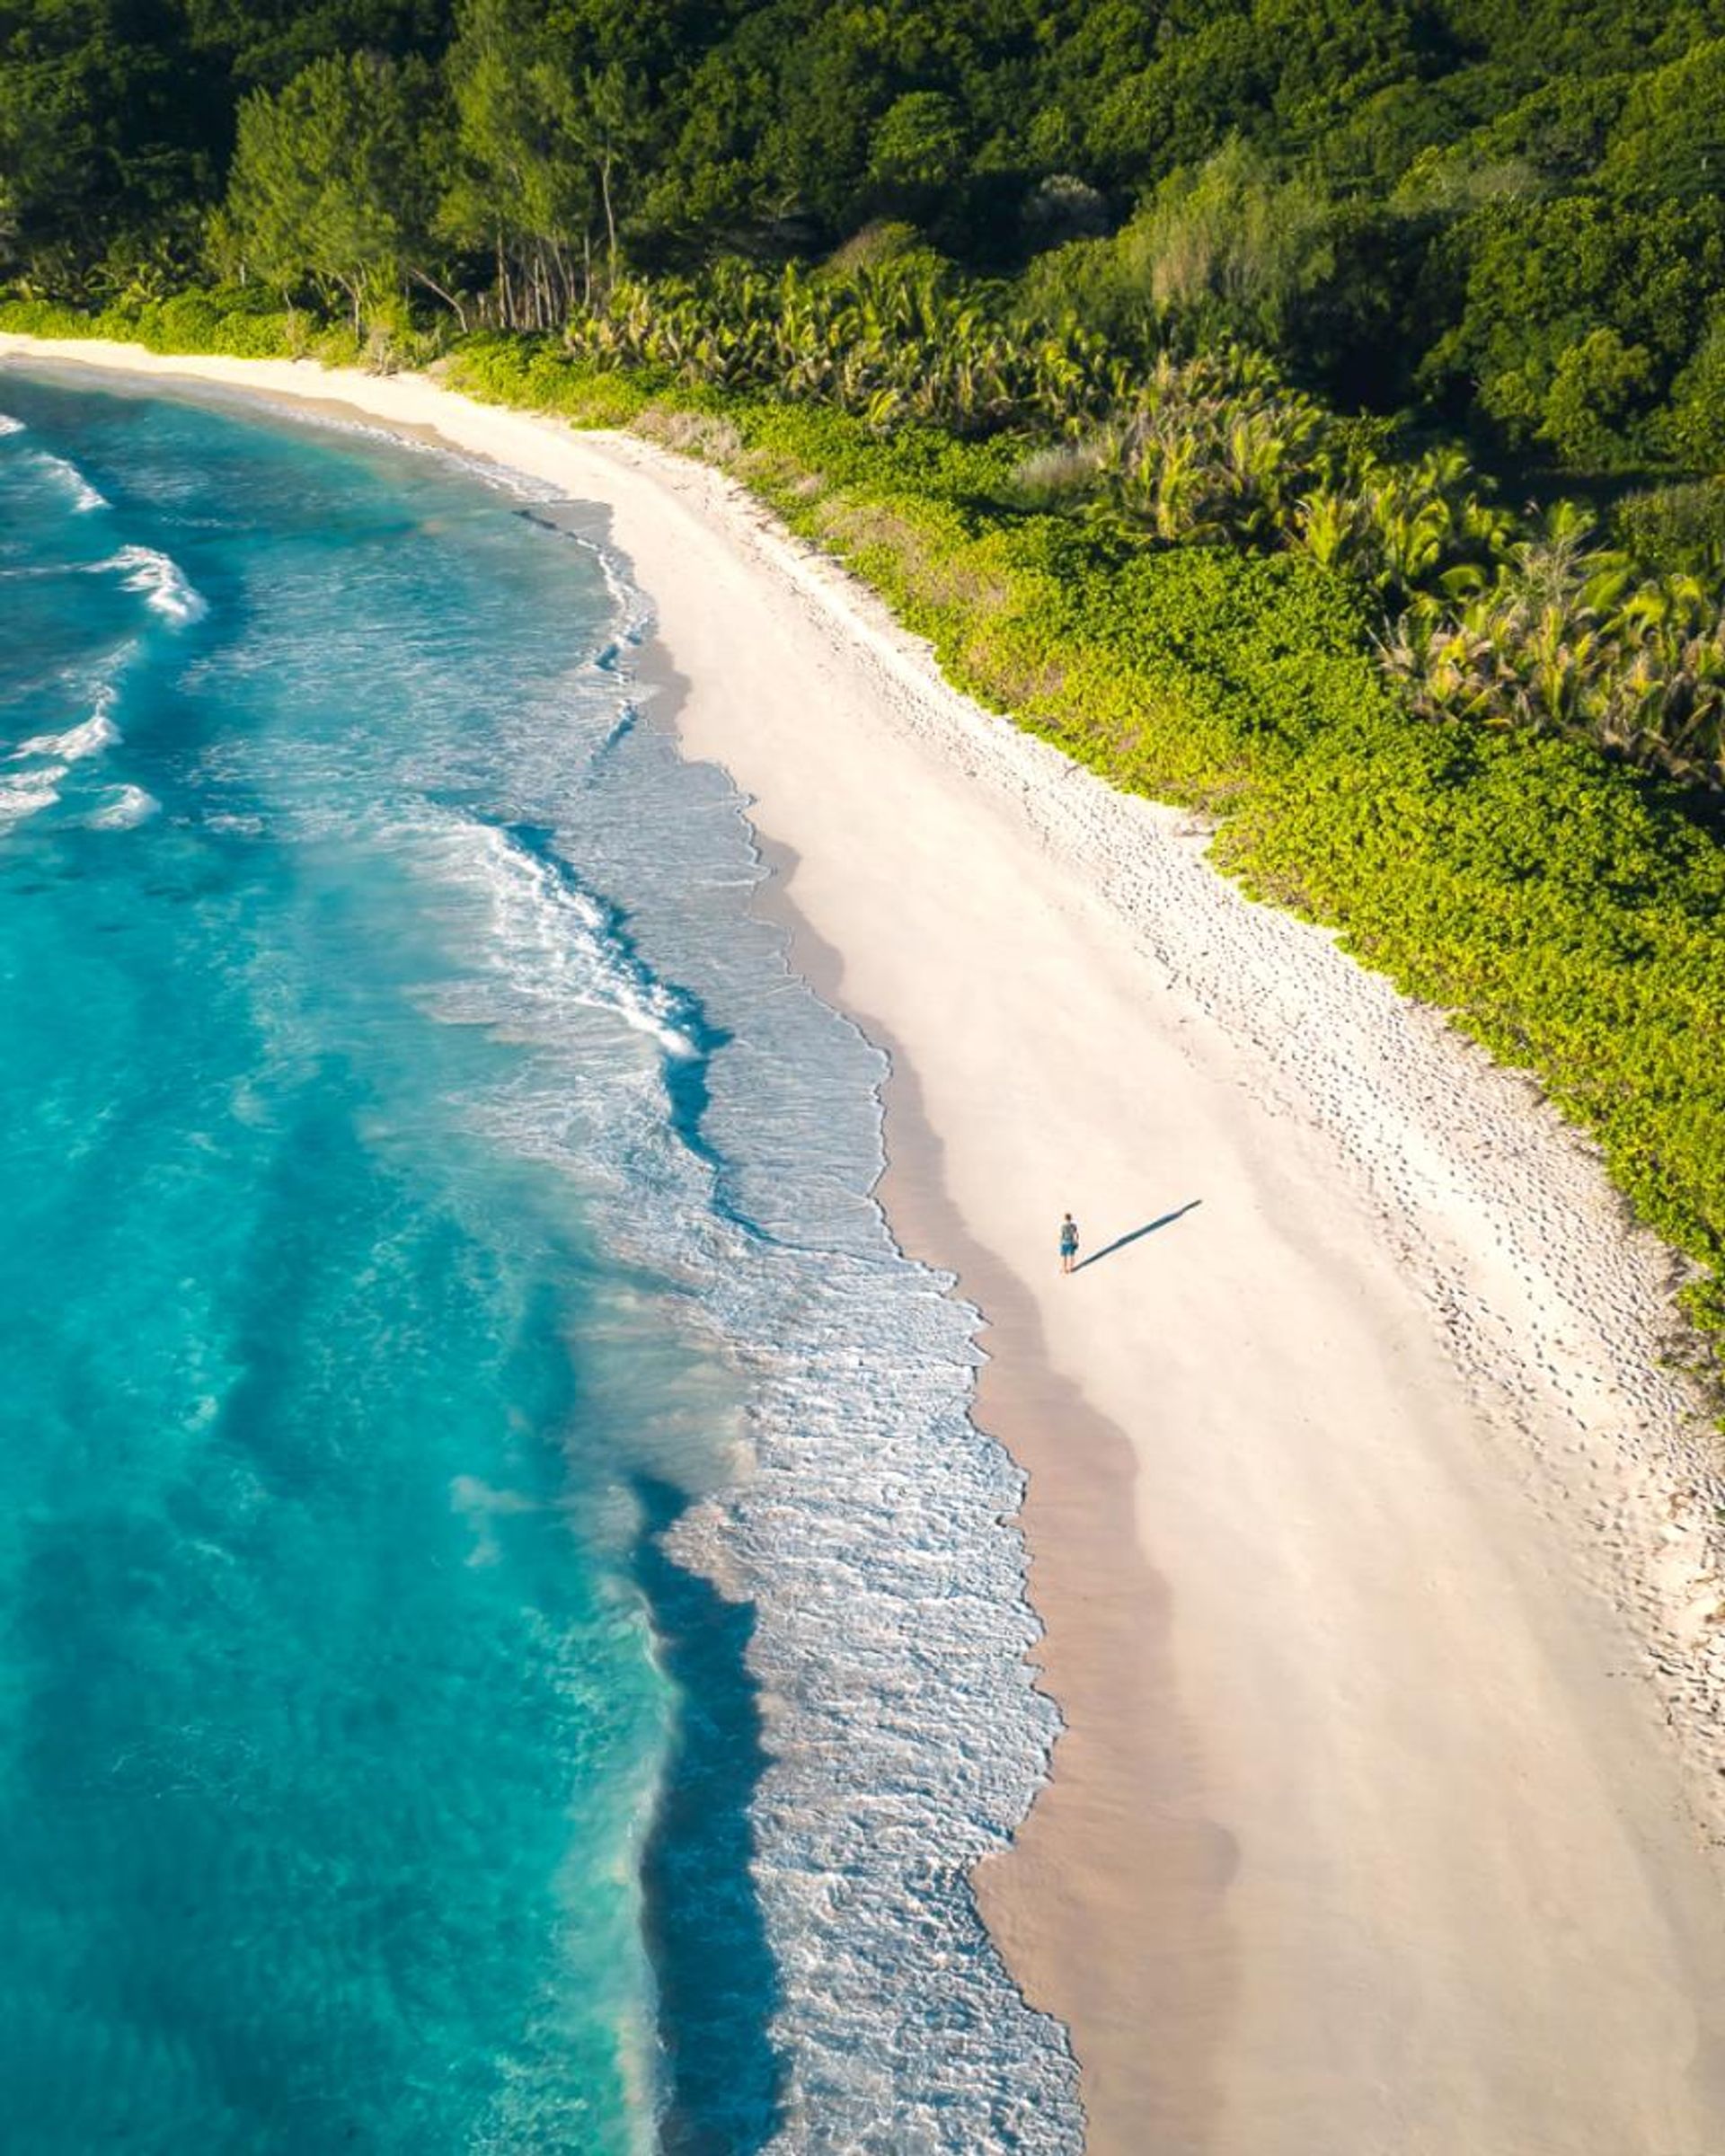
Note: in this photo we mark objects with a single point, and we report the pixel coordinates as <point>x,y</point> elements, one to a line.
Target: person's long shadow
<point>1138,1235</point>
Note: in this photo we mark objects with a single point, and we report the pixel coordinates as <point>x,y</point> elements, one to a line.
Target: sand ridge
<point>1420,1525</point>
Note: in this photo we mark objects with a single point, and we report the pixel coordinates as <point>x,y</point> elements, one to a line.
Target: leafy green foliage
<point>1512,219</point>
<point>331,185</point>
<point>1677,529</point>
<point>895,340</point>
<point>1566,641</point>
<point>1576,314</point>
<point>247,322</point>
<point>1670,141</point>
<point>104,139</point>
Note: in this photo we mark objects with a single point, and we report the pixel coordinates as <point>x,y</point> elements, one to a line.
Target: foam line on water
<point>84,496</point>
<point>160,578</point>
<point>8,425</point>
<point>631,611</point>
<point>125,809</point>
<point>88,739</point>
<point>561,936</point>
<point>906,1734</point>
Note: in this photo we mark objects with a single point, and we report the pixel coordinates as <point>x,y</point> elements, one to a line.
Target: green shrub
<point>532,374</point>
<point>47,318</point>
<point>1677,530</point>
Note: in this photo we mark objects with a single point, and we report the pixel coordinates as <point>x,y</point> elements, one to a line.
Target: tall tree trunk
<point>448,298</point>
<point>610,220</point>
<point>505,311</point>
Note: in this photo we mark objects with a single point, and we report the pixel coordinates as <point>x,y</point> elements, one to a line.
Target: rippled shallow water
<point>513,1644</point>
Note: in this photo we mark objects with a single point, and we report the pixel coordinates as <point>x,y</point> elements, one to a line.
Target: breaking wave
<point>88,739</point>
<point>21,799</point>
<point>124,807</point>
<point>84,496</point>
<point>162,582</point>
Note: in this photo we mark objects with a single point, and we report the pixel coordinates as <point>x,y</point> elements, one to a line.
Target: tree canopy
<point>1506,220</point>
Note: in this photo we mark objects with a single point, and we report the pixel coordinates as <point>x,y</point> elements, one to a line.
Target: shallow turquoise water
<point>332,1717</point>
<point>422,1186</point>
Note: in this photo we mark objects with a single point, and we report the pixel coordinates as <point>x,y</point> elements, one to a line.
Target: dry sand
<point>1371,1534</point>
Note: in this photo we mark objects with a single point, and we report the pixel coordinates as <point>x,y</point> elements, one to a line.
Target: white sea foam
<point>906,1734</point>
<point>84,496</point>
<point>28,796</point>
<point>870,1523</point>
<point>88,739</point>
<point>8,425</point>
<point>95,734</point>
<point>565,938</point>
<point>124,807</point>
<point>161,580</point>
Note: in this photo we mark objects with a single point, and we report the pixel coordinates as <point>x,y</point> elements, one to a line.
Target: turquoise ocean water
<point>510,1639</point>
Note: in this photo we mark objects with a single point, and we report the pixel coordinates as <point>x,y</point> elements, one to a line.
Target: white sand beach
<point>1370,1531</point>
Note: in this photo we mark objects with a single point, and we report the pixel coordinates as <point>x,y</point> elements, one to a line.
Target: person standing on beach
<point>1068,1243</point>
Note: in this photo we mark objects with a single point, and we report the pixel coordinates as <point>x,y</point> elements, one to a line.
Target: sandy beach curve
<point>1371,1531</point>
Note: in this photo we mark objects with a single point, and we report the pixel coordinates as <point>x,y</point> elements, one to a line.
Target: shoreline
<point>1334,1483</point>
<point>1085,1939</point>
<point>1081,1937</point>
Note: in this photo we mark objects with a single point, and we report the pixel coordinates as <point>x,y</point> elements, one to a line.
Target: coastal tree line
<point>1508,221</point>
<point>1162,246</point>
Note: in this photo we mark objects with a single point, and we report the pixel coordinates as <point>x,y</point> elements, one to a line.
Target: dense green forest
<point>1310,409</point>
<point>1508,221</point>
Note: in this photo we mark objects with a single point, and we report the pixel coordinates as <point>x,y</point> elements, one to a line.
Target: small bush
<point>534,375</point>
<point>1056,478</point>
<point>703,434</point>
<point>1680,529</point>
<point>47,318</point>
